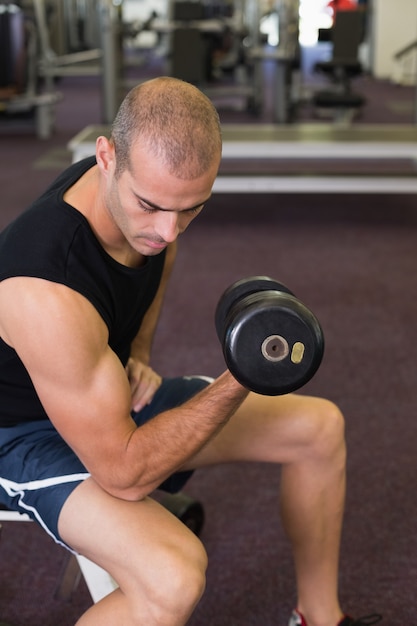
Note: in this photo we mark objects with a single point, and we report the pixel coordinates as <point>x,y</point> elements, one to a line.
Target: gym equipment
<point>346,35</point>
<point>12,47</point>
<point>246,145</point>
<point>272,343</point>
<point>20,90</point>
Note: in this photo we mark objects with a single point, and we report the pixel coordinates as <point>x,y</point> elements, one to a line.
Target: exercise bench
<point>257,157</point>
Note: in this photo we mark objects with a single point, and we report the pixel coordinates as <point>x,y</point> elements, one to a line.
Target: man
<point>83,273</point>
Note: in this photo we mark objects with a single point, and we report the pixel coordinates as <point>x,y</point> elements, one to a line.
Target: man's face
<point>152,207</point>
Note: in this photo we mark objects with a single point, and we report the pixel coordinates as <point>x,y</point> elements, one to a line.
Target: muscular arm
<point>84,388</point>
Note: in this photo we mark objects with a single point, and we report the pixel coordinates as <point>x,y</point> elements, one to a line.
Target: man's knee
<point>180,583</point>
<point>334,437</point>
<point>328,439</point>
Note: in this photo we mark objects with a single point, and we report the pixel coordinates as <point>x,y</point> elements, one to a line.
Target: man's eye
<point>195,210</point>
<point>146,209</point>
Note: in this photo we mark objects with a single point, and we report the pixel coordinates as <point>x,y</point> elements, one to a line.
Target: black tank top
<point>54,241</point>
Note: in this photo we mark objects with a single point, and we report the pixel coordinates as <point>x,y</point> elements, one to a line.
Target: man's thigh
<point>275,429</point>
<point>136,542</point>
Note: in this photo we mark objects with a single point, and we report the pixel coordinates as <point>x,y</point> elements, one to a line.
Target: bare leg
<point>157,562</point>
<point>306,435</point>
<point>312,502</point>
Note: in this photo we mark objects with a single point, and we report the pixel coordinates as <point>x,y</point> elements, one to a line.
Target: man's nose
<point>168,225</point>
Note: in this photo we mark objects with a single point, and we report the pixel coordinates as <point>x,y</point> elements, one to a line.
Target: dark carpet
<point>353,260</point>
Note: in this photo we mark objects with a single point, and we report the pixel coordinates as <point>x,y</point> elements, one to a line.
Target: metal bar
<point>107,19</point>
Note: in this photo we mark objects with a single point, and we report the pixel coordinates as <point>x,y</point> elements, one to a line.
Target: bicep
<point>81,383</point>
<point>89,408</point>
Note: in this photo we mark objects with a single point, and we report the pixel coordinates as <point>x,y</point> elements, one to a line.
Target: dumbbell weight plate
<point>272,343</point>
<point>239,290</point>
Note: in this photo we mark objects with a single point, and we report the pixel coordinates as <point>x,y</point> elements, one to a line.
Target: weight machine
<point>88,38</point>
<point>346,36</point>
<point>20,89</point>
<point>249,50</point>
<point>51,41</point>
<point>191,29</point>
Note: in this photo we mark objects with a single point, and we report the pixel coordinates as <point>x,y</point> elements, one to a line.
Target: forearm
<point>164,444</point>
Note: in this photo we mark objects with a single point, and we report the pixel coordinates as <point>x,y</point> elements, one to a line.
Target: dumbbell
<point>272,343</point>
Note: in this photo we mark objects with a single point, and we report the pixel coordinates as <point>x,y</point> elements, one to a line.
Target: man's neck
<point>85,197</point>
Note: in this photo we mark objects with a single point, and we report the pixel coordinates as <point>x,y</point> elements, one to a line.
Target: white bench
<point>249,148</point>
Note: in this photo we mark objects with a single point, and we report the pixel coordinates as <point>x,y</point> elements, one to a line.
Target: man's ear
<point>105,154</point>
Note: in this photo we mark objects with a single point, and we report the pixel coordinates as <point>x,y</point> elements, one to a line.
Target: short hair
<point>177,122</point>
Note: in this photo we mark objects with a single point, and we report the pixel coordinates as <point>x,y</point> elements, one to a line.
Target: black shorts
<point>38,470</point>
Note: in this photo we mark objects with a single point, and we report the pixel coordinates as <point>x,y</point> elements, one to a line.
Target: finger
<point>145,392</point>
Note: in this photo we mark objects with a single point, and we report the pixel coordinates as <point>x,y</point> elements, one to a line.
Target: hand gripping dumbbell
<point>272,343</point>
